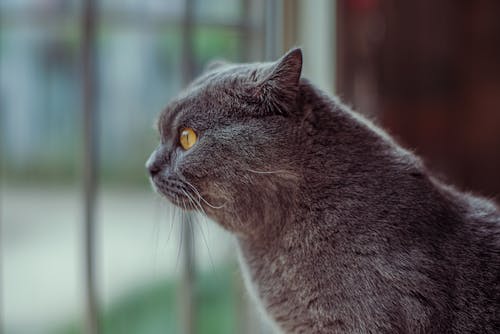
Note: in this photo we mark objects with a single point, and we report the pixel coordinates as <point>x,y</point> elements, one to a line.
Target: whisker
<point>164,215</point>
<point>270,172</point>
<point>204,216</point>
<point>193,201</point>
<point>191,230</point>
<point>203,199</point>
<point>172,213</point>
<point>210,258</point>
<point>203,213</point>
<point>181,237</point>
<point>155,233</point>
<point>279,171</point>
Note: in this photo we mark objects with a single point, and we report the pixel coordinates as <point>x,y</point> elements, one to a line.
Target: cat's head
<point>226,142</point>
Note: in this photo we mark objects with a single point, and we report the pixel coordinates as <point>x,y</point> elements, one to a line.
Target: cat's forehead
<point>193,106</point>
<point>212,95</point>
<point>207,91</point>
<point>191,100</point>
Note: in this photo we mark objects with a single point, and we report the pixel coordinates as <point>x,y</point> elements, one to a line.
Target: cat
<point>339,229</point>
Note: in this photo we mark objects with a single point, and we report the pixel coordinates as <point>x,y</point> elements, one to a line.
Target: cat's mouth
<point>176,192</point>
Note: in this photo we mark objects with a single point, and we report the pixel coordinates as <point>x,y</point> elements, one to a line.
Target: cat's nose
<point>152,165</point>
<point>153,169</point>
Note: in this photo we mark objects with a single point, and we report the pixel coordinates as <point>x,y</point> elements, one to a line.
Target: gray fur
<point>339,228</point>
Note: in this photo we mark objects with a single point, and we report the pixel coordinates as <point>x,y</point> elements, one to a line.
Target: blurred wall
<point>429,71</point>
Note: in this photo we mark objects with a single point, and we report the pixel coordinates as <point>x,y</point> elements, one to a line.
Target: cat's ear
<point>286,71</point>
<point>279,88</point>
<point>214,64</point>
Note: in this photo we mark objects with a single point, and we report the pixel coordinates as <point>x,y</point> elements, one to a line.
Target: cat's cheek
<point>192,167</point>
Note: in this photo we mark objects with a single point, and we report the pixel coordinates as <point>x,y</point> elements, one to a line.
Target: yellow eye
<point>187,138</point>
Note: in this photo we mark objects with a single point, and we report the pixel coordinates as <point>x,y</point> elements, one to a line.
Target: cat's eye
<point>187,138</point>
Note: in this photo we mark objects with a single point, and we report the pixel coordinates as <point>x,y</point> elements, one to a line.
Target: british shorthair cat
<point>339,229</point>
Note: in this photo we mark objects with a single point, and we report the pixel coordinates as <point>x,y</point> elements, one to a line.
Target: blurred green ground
<point>153,309</point>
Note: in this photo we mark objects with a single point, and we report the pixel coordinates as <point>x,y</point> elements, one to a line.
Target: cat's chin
<point>179,200</point>
<point>182,202</point>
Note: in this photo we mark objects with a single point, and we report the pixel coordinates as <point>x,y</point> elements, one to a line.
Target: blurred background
<point>86,247</point>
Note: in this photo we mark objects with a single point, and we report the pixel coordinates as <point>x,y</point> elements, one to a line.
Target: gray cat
<point>340,230</point>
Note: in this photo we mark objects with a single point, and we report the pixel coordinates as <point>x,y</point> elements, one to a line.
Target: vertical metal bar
<point>186,292</point>
<point>3,138</point>
<point>187,297</point>
<point>188,61</point>
<point>290,23</point>
<point>2,159</point>
<point>1,270</point>
<point>245,38</point>
<point>1,252</point>
<point>88,54</point>
<point>273,29</point>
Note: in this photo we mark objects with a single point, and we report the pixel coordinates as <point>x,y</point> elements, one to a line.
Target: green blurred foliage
<point>153,309</point>
<point>216,43</point>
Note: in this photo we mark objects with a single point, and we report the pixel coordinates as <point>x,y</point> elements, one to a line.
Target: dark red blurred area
<point>429,71</point>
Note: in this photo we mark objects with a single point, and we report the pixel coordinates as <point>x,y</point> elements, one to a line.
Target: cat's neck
<point>343,148</point>
<point>344,157</point>
<point>269,221</point>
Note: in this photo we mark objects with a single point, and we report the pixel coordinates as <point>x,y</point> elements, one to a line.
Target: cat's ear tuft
<point>286,72</point>
<point>278,90</point>
<point>214,64</point>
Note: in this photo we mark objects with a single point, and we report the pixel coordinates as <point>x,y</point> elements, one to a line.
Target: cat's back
<point>476,259</point>
<point>462,231</point>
